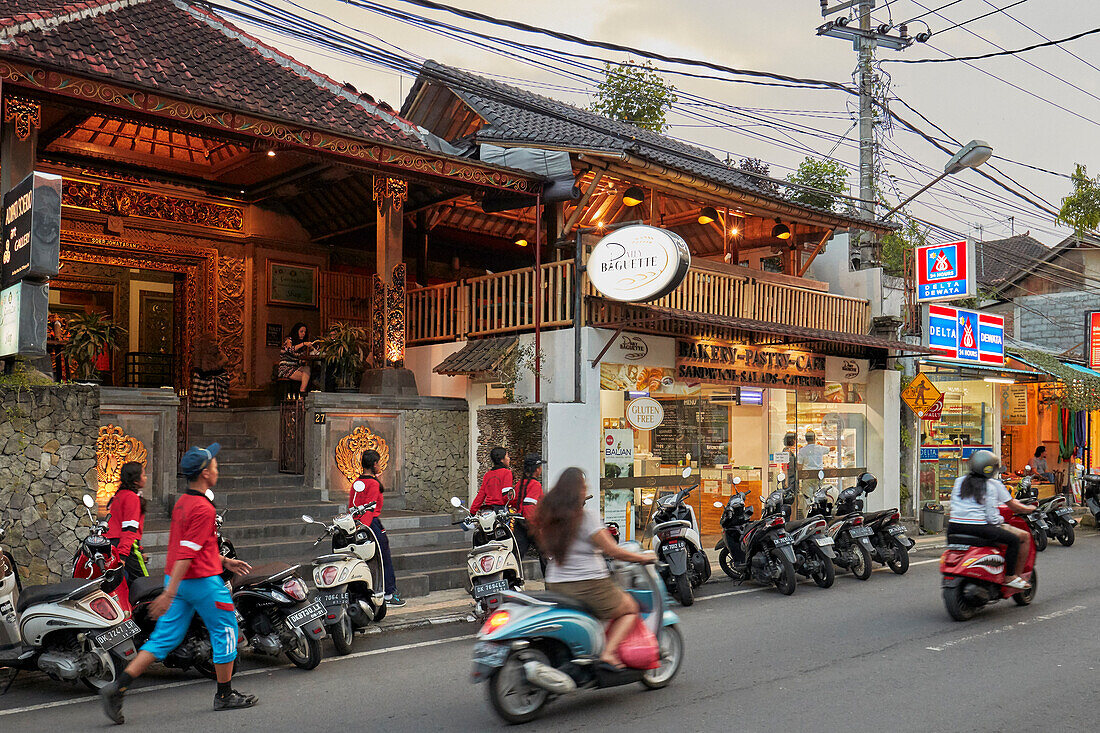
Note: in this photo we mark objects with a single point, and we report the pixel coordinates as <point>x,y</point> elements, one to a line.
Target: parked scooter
<point>676,541</point>
<point>493,565</point>
<point>813,547</point>
<point>852,540</point>
<point>540,646</point>
<point>889,544</point>
<point>96,555</point>
<point>73,630</point>
<point>760,550</point>
<point>350,580</point>
<point>973,572</point>
<point>1054,513</point>
<point>1090,494</point>
<point>1037,524</point>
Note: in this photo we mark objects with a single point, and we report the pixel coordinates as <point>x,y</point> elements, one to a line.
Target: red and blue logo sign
<point>963,335</point>
<point>943,271</point>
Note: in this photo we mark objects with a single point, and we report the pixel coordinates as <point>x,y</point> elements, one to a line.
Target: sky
<point>1043,110</point>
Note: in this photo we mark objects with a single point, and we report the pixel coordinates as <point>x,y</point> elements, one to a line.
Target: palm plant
<point>89,335</point>
<point>344,350</point>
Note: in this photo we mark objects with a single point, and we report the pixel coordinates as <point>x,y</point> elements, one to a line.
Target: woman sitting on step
<point>365,490</point>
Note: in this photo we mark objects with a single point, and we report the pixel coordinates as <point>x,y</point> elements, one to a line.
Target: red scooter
<point>973,571</point>
<point>97,555</point>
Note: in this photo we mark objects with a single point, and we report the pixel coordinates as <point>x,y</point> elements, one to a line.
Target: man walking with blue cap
<point>192,586</point>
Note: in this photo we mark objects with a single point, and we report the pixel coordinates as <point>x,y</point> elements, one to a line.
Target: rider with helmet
<point>975,501</point>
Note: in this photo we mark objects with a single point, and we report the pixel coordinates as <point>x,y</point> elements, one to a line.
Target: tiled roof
<point>514,115</point>
<point>185,51</point>
<point>477,357</point>
<point>1001,261</point>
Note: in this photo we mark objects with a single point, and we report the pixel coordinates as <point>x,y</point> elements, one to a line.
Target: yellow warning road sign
<point>921,395</point>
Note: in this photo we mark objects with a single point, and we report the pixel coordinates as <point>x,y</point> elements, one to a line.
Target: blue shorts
<point>211,600</point>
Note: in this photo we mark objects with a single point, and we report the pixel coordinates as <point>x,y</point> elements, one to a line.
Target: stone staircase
<point>263,510</point>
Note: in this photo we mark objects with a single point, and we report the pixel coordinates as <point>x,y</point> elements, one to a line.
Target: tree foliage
<point>634,93</point>
<point>1081,209</point>
<point>755,165</point>
<point>827,176</point>
<point>894,245</point>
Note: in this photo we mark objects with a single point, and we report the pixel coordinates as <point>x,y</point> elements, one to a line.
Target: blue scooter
<point>539,646</point>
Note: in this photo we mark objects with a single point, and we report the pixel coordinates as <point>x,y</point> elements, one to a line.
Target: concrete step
<point>241,482</point>
<point>456,577</point>
<point>242,455</point>
<point>249,468</point>
<point>403,539</point>
<point>423,559</point>
<point>395,519</point>
<point>225,441</point>
<point>211,430</point>
<point>210,416</point>
<point>413,585</point>
<point>241,499</point>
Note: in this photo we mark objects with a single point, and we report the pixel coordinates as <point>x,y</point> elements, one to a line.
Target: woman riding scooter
<point>576,541</point>
<point>975,499</point>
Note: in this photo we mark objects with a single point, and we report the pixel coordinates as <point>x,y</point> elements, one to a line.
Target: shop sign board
<point>1014,409</point>
<point>846,371</point>
<point>32,228</point>
<point>921,395</point>
<point>645,350</point>
<point>618,453</point>
<point>644,413</point>
<point>930,454</point>
<point>964,335</point>
<point>1092,339</point>
<point>23,312</point>
<point>744,364</point>
<point>638,263</point>
<point>945,271</point>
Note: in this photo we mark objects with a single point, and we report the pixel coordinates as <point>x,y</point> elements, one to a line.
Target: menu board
<point>693,426</point>
<point>666,437</point>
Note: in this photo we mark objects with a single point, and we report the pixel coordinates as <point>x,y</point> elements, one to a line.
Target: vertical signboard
<point>1092,339</point>
<point>32,229</point>
<point>23,313</point>
<point>964,335</point>
<point>945,271</point>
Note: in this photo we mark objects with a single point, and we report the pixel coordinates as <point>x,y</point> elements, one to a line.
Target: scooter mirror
<point>717,505</point>
<point>88,501</point>
<point>1027,468</point>
<point>736,480</point>
<point>686,472</point>
<point>821,474</point>
<point>307,519</point>
<point>781,477</point>
<point>456,502</point>
<point>647,501</point>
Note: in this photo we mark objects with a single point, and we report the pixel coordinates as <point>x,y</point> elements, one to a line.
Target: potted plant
<point>90,334</point>
<point>343,349</point>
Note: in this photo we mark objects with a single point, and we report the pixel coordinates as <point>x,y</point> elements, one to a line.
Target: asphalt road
<point>877,655</point>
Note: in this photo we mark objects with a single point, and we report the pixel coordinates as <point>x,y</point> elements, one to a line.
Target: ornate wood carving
<point>390,194</point>
<point>231,272</point>
<point>349,451</point>
<point>113,448</point>
<point>378,328</point>
<point>25,113</point>
<point>288,135</point>
<point>126,201</point>
<point>395,318</point>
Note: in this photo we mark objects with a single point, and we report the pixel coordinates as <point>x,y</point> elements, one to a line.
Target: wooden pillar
<point>792,256</point>
<point>389,284</point>
<point>18,139</point>
<point>421,248</point>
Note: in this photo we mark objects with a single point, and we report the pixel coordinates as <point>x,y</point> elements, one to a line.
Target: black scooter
<point>1090,492</point>
<point>759,550</point>
<point>851,539</point>
<point>676,541</point>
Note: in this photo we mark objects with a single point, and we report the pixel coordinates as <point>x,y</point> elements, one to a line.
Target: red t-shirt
<point>494,486</point>
<point>125,522</point>
<point>531,493</point>
<point>364,490</point>
<point>193,538</point>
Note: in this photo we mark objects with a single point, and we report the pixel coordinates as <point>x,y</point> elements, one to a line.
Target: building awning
<point>1035,371</point>
<point>478,357</point>
<point>1084,370</point>
<point>643,315</point>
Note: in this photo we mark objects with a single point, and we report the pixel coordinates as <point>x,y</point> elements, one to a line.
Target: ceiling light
<point>271,153</point>
<point>1000,380</point>
<point>633,196</point>
<point>708,215</point>
<point>733,231</point>
<point>521,242</point>
<point>781,231</point>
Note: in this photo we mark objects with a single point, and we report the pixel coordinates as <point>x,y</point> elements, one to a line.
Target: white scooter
<point>492,564</point>
<point>73,630</point>
<point>676,541</point>
<point>350,580</point>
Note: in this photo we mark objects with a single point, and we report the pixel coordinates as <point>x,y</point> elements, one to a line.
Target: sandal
<point>1019,584</point>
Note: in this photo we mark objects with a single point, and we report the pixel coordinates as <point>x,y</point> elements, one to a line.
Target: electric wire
<point>1016,20</point>
<point>994,54</point>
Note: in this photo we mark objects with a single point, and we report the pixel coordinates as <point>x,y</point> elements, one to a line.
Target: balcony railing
<point>503,303</point>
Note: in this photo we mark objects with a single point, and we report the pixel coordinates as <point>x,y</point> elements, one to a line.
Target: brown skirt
<point>600,593</point>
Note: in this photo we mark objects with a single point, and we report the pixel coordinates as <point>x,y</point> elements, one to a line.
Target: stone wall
<point>47,462</point>
<point>518,428</point>
<point>437,458</point>
<point>1035,313</point>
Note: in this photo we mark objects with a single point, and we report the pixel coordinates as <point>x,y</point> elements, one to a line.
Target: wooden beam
<point>579,211</point>
<point>816,251</point>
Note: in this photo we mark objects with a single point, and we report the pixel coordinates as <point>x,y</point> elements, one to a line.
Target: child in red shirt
<point>367,489</point>
<point>496,484</point>
<point>525,502</point>
<point>125,523</point>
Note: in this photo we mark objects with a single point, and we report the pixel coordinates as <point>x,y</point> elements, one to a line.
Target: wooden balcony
<point>503,303</point>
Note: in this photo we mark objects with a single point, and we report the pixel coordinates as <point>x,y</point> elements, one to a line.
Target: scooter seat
<point>565,601</point>
<point>797,524</point>
<point>969,539</point>
<point>258,575</point>
<point>34,594</point>
<point>145,589</point>
<point>875,516</point>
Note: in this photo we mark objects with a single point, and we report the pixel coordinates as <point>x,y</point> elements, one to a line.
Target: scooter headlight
<point>487,563</point>
<point>295,588</point>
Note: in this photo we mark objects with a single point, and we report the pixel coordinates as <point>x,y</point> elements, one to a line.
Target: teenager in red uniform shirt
<point>496,484</point>
<point>365,490</point>
<point>125,524</point>
<point>525,501</point>
<point>193,585</point>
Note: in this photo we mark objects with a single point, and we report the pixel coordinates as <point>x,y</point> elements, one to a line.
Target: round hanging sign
<point>644,413</point>
<point>638,263</point>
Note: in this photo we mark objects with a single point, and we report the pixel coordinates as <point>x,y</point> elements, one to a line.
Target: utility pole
<point>865,40</point>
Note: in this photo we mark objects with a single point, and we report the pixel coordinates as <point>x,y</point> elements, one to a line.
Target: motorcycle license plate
<point>896,529</point>
<point>490,654</point>
<point>303,616</point>
<point>115,635</point>
<point>783,541</point>
<point>1064,511</point>
<point>824,541</point>
<point>674,545</point>
<point>331,600</point>
<point>860,532</point>
<point>488,589</point>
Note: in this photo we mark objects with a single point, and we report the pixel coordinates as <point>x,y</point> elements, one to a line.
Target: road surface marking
<point>1007,627</point>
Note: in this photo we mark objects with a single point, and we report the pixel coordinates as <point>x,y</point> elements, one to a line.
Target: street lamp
<point>971,155</point>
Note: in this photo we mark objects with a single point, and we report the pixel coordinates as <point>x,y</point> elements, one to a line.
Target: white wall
<point>420,360</point>
<point>573,437</point>
<point>831,266</point>
<point>884,437</point>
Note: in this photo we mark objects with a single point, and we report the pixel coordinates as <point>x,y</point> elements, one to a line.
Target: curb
<point>421,623</point>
